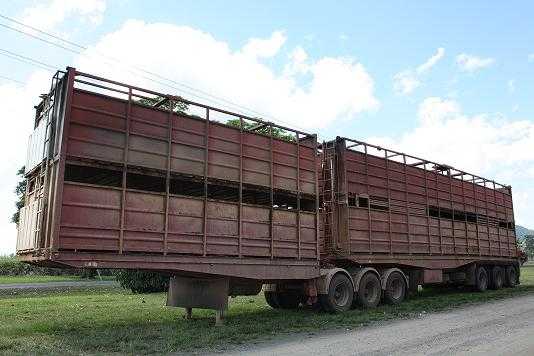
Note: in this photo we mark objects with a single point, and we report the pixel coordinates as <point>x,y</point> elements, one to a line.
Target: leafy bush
<point>143,281</point>
<point>11,266</point>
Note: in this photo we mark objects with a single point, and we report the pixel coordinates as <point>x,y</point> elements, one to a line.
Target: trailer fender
<point>385,275</point>
<point>358,274</point>
<point>323,282</point>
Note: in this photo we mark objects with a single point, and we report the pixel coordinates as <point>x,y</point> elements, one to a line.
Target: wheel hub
<point>341,294</point>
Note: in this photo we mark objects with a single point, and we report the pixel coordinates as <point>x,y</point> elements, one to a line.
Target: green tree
<point>143,281</point>
<point>277,132</point>
<point>529,245</point>
<point>179,106</point>
<point>20,190</point>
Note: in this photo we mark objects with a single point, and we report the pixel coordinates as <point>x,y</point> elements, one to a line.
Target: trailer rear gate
<point>389,207</point>
<point>119,178</point>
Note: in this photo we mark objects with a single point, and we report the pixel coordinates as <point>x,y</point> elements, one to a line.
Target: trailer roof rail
<point>422,163</point>
<point>123,90</point>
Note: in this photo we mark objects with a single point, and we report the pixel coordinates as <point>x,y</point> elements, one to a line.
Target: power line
<point>25,59</point>
<point>42,32</point>
<point>86,55</point>
<point>45,66</point>
<point>217,99</point>
<point>112,58</point>
<point>115,59</point>
<point>12,80</point>
<point>39,38</point>
<point>104,56</point>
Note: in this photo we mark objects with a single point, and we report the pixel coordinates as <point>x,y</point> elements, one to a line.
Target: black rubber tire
<point>369,291</point>
<point>395,291</point>
<point>288,300</point>
<point>510,277</point>
<point>497,277</point>
<point>272,299</point>
<point>340,294</point>
<point>481,279</point>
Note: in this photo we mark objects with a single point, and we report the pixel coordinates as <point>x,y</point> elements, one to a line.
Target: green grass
<point>42,279</point>
<point>113,321</point>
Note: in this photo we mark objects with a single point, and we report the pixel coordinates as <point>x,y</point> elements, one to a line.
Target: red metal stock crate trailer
<point>124,177</point>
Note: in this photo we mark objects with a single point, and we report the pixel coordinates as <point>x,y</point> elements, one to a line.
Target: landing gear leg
<point>219,317</point>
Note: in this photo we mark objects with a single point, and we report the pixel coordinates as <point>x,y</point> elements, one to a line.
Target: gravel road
<point>495,328</point>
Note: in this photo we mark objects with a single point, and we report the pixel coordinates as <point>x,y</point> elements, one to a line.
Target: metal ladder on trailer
<point>48,113</point>
<point>327,196</point>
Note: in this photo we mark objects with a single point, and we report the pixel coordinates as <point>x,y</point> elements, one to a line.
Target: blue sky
<point>424,77</point>
<point>386,37</point>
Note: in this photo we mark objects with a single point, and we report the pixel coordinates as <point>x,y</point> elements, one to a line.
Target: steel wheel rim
<point>341,294</point>
<point>369,291</point>
<point>483,280</point>
<point>395,290</point>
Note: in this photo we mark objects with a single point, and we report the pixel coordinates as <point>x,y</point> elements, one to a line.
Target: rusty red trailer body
<point>124,177</point>
<point>386,207</point>
<point>123,183</point>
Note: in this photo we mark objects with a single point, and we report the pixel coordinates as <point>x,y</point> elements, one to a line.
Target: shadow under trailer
<point>123,177</point>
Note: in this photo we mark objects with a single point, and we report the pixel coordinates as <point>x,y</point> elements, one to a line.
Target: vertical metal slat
<point>205,205</point>
<point>125,171</point>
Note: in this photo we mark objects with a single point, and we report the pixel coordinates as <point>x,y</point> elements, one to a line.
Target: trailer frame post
<point>388,188</point>
<point>125,171</point>
<point>188,313</point>
<point>341,202</point>
<point>240,193</point>
<point>299,253</point>
<point>271,190</point>
<point>219,317</point>
<point>168,175</point>
<point>205,181</point>
<point>429,239</point>
<point>406,204</point>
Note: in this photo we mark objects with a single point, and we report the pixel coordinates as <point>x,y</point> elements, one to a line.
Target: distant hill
<point>521,232</point>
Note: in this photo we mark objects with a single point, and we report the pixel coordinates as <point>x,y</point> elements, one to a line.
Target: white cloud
<point>49,14</point>
<point>406,81</point>
<point>425,67</point>
<point>488,145</point>
<point>531,57</point>
<point>511,86</point>
<point>335,88</point>
<point>434,111</point>
<point>297,62</point>
<point>265,48</point>
<point>470,63</point>
<point>17,108</point>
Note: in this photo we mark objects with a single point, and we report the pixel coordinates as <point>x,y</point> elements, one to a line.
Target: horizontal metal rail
<point>437,167</point>
<point>261,123</point>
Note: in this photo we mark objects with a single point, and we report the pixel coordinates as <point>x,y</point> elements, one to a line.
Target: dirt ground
<point>495,328</point>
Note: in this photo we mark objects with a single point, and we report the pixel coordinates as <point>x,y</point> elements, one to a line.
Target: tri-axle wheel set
<point>368,289</point>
